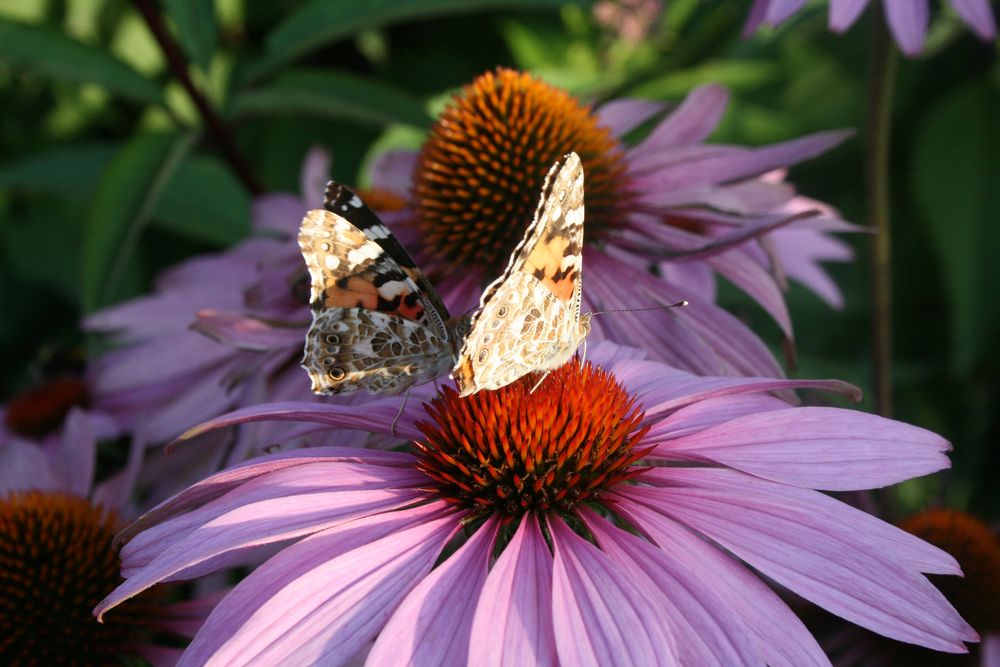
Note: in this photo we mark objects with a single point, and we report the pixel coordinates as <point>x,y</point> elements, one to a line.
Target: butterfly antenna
<point>539,383</point>
<point>679,304</point>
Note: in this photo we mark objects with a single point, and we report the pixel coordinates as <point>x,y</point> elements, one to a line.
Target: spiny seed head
<point>56,564</point>
<point>479,175</point>
<point>513,450</point>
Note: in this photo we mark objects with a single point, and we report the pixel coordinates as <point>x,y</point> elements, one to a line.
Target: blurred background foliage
<point>109,173</point>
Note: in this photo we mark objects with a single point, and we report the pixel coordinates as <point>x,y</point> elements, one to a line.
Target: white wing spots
<point>360,254</point>
<point>356,202</point>
<point>393,288</point>
<point>574,216</point>
<point>331,261</point>
<point>378,232</point>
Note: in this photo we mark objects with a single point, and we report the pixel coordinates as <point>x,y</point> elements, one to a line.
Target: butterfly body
<point>529,318</point>
<point>378,324</point>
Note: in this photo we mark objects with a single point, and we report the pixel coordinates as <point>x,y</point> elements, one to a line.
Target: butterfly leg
<point>540,381</point>
<point>399,413</point>
<point>584,357</point>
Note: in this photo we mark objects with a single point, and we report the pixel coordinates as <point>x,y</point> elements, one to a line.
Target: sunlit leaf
<point>53,54</point>
<point>324,21</point>
<point>126,197</point>
<point>196,28</point>
<point>205,202</point>
<point>333,95</point>
<point>956,180</point>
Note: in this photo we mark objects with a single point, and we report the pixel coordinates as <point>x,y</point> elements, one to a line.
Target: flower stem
<point>878,128</point>
<point>179,66</point>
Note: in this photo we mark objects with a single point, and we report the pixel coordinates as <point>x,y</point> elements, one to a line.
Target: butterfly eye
<point>502,311</point>
<point>337,374</point>
<point>332,339</point>
<point>481,357</point>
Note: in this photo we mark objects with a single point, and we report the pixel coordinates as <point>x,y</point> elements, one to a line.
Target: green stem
<point>878,130</point>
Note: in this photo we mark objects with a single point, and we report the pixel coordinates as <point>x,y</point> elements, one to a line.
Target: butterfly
<point>529,318</point>
<point>377,323</point>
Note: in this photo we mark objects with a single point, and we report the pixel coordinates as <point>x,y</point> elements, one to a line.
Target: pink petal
<point>377,417</point>
<point>624,115</point>
<point>705,628</point>
<point>778,11</point>
<point>782,639</point>
<point>908,24</point>
<point>817,448</point>
<point>432,625</point>
<point>703,165</point>
<point>513,622</point>
<point>698,416</point>
<point>755,17</point>
<point>223,482</point>
<point>24,466</point>
<point>236,329</point>
<point>978,15</point>
<point>321,600</point>
<point>315,174</point>
<point>600,607</point>
<point>843,13</point>
<point>690,123</point>
<point>823,556</point>
<point>393,171</point>
<point>278,213</point>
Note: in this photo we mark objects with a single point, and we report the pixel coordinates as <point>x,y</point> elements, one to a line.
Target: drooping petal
<point>782,639</point>
<point>432,625</point>
<point>393,171</point>
<point>698,416</point>
<point>704,626</point>
<point>24,466</point>
<point>843,13</point>
<point>313,177</point>
<point>600,608</point>
<point>321,600</point>
<point>245,332</point>
<point>908,24</point>
<point>778,11</point>
<point>835,559</point>
<point>817,448</point>
<point>978,15</point>
<point>513,623</point>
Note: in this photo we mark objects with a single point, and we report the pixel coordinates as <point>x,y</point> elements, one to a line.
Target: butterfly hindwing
<point>377,322</point>
<point>529,318</point>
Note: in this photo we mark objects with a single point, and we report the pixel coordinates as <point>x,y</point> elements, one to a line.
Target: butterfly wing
<point>529,318</point>
<point>373,327</point>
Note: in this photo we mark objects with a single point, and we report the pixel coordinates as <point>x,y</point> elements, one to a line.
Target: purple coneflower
<point>907,18</point>
<point>691,209</point>
<point>56,560</point>
<point>609,517</point>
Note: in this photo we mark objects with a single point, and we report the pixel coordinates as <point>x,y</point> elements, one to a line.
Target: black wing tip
<point>336,195</point>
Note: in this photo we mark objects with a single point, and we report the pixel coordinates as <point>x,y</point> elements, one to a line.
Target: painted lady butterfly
<point>529,318</point>
<point>378,324</point>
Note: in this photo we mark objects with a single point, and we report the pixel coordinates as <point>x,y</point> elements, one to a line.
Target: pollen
<point>516,450</point>
<point>479,175</point>
<point>56,564</point>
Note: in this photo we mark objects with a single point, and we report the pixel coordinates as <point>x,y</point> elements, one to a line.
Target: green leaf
<point>332,95</point>
<point>53,54</point>
<point>205,202</point>
<point>196,28</point>
<point>67,169</point>
<point>126,197</point>
<point>956,181</point>
<point>324,21</point>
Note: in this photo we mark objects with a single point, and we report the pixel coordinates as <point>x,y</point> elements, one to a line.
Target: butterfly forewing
<point>529,318</point>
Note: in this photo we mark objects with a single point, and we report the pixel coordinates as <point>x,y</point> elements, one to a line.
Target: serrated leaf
<point>324,21</point>
<point>125,199</point>
<point>205,202</point>
<point>51,53</point>
<point>196,28</point>
<point>956,181</point>
<point>333,95</point>
<point>67,169</point>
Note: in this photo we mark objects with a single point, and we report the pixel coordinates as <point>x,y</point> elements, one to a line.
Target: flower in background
<point>691,209</point>
<point>608,517</point>
<point>907,20</point>
<point>632,20</point>
<point>56,560</point>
